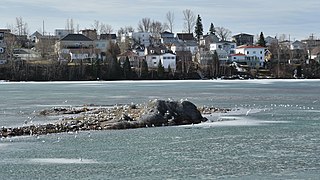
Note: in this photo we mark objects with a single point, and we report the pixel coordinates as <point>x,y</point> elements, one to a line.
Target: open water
<point>273,132</point>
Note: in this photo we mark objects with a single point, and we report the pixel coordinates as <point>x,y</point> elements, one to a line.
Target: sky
<point>297,19</point>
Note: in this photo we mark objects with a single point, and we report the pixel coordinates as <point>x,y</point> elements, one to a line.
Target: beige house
<point>75,47</point>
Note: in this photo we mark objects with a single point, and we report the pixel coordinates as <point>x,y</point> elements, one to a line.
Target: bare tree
<point>70,25</point>
<point>21,27</point>
<point>170,20</point>
<point>105,28</point>
<point>189,20</point>
<point>124,41</point>
<point>144,25</point>
<point>125,30</point>
<point>96,25</point>
<point>156,28</point>
<point>223,33</point>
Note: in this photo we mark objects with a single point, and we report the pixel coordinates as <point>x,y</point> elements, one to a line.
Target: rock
<point>159,112</point>
<point>155,113</point>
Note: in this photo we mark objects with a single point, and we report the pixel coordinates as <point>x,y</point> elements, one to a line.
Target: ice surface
<point>62,161</point>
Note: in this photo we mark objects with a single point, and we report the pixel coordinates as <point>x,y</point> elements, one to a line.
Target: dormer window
<point>152,51</point>
<point>163,51</point>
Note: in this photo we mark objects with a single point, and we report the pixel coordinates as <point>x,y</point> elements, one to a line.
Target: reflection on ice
<point>62,161</point>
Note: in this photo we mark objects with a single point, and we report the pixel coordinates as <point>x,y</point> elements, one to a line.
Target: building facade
<point>254,55</point>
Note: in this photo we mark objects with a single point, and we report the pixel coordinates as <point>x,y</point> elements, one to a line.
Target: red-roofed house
<point>254,55</point>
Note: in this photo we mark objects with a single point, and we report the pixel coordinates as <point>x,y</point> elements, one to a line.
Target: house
<point>7,41</point>
<point>227,46</point>
<point>239,58</point>
<point>142,38</point>
<point>155,54</point>
<point>223,49</point>
<point>185,36</point>
<point>110,37</point>
<point>35,37</point>
<point>139,50</point>
<point>134,59</point>
<point>2,47</point>
<point>168,39</point>
<point>186,41</point>
<point>297,45</point>
<point>243,39</point>
<point>167,34</point>
<point>270,40</point>
<point>208,39</point>
<point>75,47</point>
<point>254,55</point>
<point>25,54</point>
<point>315,54</point>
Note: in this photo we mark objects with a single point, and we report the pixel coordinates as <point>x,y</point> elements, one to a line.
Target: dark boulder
<point>160,112</point>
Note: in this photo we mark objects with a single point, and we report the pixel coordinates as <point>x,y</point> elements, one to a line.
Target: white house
<point>143,38</point>
<point>223,49</point>
<point>156,54</point>
<point>227,46</point>
<point>167,59</point>
<point>239,58</point>
<point>297,45</point>
<point>255,55</point>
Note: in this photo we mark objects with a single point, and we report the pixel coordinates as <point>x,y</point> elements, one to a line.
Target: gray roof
<point>108,36</point>
<point>185,36</point>
<point>76,37</point>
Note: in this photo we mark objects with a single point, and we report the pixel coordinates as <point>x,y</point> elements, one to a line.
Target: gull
<point>248,112</point>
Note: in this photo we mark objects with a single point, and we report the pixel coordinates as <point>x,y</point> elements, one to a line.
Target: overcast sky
<point>297,18</point>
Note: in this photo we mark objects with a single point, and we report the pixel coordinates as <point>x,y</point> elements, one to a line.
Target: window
<point>254,52</point>
<point>260,52</point>
<point>164,57</point>
<point>247,52</point>
<point>172,57</point>
<point>154,57</point>
<point>232,46</point>
<point>219,46</point>
<point>234,58</point>
<point>151,51</point>
<point>155,63</point>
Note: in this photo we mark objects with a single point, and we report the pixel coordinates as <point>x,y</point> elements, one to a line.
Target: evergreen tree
<point>169,69</point>
<point>212,30</point>
<point>199,28</point>
<point>115,71</point>
<point>216,65</point>
<point>127,72</point>
<point>144,70</point>
<point>261,41</point>
<point>170,74</point>
<point>98,69</point>
<point>160,70</point>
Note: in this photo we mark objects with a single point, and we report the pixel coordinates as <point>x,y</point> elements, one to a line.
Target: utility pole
<point>278,61</point>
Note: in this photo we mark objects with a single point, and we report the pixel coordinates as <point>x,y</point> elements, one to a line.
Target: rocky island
<point>152,114</point>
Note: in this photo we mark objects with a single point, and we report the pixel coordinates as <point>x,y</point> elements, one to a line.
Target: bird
<point>248,112</point>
